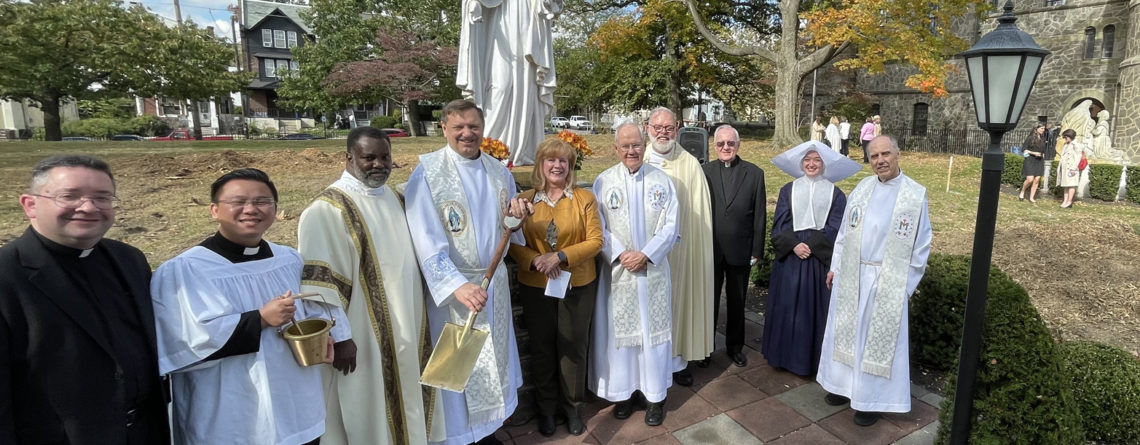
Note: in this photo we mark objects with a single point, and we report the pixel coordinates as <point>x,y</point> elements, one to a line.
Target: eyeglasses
<point>261,203</point>
<point>663,128</point>
<point>728,143</point>
<point>72,201</point>
<point>631,147</point>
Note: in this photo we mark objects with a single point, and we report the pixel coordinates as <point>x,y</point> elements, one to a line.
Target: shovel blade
<point>453,359</point>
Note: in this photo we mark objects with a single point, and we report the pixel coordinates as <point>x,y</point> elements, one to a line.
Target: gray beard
<point>664,148</point>
<point>363,177</point>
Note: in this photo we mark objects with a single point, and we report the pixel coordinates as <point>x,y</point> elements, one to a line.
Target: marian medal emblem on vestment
<point>904,225</point>
<point>614,199</point>
<point>657,195</point>
<point>855,218</point>
<point>454,217</point>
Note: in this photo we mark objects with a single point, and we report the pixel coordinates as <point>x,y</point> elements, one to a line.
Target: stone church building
<point>1093,58</point>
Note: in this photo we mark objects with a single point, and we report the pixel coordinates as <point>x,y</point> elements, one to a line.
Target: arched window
<point>1090,42</point>
<point>918,121</point>
<point>1108,39</point>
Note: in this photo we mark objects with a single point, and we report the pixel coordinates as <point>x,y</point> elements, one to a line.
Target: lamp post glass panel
<point>1002,66</point>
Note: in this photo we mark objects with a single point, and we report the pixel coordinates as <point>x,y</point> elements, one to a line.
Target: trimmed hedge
<point>1020,395</point>
<point>1132,185</point>
<point>1104,180</point>
<point>383,122</point>
<point>1011,173</point>
<point>1106,383</point>
<point>937,309</point>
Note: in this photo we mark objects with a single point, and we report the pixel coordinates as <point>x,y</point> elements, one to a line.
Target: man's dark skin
<point>370,161</point>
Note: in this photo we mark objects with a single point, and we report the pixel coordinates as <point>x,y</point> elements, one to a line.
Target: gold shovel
<point>453,359</point>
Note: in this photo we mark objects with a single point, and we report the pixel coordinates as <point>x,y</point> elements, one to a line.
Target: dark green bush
<point>937,307</point>
<point>762,271</point>
<point>1132,185</point>
<point>1021,395</point>
<point>96,127</point>
<point>149,126</point>
<point>1011,173</point>
<point>1106,383</point>
<point>1104,180</point>
<point>383,122</point>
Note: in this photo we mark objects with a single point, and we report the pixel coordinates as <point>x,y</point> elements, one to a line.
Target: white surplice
<point>615,373</point>
<point>382,401</point>
<point>262,397</point>
<point>434,254</point>
<point>870,392</point>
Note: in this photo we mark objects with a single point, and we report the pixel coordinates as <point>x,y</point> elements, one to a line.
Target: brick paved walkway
<point>756,404</point>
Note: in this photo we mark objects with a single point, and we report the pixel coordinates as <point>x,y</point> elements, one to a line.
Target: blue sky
<point>203,12</point>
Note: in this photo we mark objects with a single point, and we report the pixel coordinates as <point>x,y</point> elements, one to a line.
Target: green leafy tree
<point>802,36</point>
<point>79,49</point>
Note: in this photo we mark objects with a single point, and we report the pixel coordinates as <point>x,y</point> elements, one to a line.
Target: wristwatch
<point>562,257</point>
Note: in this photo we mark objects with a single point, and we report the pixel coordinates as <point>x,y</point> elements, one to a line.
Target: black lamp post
<point>1002,67</point>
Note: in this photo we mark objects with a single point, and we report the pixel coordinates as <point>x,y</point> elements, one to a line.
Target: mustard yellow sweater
<point>579,237</point>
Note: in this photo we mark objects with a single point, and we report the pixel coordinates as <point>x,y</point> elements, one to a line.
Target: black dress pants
<point>559,341</point>
<point>866,160</point>
<point>734,281</point>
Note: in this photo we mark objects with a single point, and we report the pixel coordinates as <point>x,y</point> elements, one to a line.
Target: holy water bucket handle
<point>325,303</point>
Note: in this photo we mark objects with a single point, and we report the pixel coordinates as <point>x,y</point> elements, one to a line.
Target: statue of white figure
<point>1080,120</point>
<point>506,66</point>
<point>1101,143</point>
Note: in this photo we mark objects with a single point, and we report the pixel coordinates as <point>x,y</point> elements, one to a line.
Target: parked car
<point>581,123</point>
<point>78,139</point>
<point>183,134</point>
<point>300,137</point>
<point>395,132</point>
<point>127,137</point>
<point>559,122</point>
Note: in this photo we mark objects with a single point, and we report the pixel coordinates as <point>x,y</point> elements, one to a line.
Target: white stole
<point>484,392</point>
<point>886,308</point>
<point>615,206</point>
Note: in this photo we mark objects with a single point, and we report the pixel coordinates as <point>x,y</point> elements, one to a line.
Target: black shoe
<point>546,425</point>
<point>489,440</point>
<point>655,413</point>
<point>866,418</point>
<point>574,425</point>
<point>623,409</point>
<point>703,363</point>
<point>683,378</point>
<point>739,359</point>
<point>835,399</point>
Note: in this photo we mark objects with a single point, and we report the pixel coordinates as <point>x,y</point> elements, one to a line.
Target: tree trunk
<point>673,101</point>
<point>413,114</point>
<point>196,120</point>
<point>787,109</point>
<point>50,107</point>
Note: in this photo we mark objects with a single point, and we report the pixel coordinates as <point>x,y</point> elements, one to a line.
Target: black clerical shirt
<point>103,284</point>
<point>246,337</point>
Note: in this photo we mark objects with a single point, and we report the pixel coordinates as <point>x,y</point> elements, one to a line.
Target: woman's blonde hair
<point>553,148</point>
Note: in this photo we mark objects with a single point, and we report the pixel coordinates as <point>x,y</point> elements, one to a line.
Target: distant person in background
<point>1069,168</point>
<point>832,134</point>
<point>866,133</point>
<point>808,213</point>
<point>564,235</point>
<point>844,136</point>
<point>817,130</point>
<point>1033,166</point>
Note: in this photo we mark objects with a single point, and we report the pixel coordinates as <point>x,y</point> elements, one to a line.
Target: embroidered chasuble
<point>691,261</point>
<point>879,257</point>
<point>358,255</point>
<point>257,395</point>
<point>455,208</point>
<point>631,335</point>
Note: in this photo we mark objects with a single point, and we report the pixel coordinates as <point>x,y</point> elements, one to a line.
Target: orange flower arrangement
<point>496,148</point>
<point>580,146</point>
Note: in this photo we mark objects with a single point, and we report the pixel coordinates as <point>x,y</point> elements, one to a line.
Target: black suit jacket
<point>740,211</point>
<point>59,382</point>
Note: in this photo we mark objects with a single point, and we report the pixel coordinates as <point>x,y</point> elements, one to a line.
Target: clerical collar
<point>892,181</point>
<point>735,160</point>
<point>459,159</point>
<point>354,184</point>
<point>234,252</point>
<point>62,250</point>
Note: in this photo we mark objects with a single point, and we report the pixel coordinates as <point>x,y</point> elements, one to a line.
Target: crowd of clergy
<point>621,286</point>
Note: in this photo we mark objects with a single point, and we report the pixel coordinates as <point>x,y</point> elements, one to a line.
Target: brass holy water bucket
<point>308,338</point>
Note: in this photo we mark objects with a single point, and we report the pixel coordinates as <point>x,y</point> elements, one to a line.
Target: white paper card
<point>556,287</point>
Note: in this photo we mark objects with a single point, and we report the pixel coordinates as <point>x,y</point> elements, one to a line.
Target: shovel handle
<point>506,238</point>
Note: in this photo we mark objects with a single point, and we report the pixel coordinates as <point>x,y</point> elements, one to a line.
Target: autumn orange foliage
<point>496,148</point>
<point>580,146</point>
